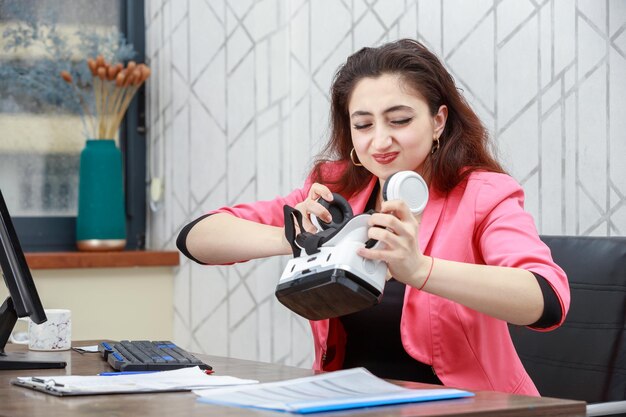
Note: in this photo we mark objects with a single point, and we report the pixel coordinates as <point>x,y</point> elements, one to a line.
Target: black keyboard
<point>143,355</point>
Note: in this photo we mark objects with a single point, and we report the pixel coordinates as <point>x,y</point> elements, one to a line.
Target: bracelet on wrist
<point>432,263</point>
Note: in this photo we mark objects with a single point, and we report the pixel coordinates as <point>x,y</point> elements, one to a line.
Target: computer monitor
<point>23,299</point>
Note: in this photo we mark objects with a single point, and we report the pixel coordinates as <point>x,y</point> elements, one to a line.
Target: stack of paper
<point>184,379</point>
<point>351,388</point>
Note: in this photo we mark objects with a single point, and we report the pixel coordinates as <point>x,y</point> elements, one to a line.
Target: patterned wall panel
<point>239,105</point>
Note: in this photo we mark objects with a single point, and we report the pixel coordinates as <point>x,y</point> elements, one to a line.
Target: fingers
<point>396,228</point>
<point>388,237</point>
<point>312,206</point>
<point>391,248</point>
<point>396,218</point>
<point>398,208</point>
<point>319,190</point>
<point>374,254</point>
<point>306,220</point>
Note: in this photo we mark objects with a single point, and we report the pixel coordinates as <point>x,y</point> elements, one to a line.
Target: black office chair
<point>584,359</point>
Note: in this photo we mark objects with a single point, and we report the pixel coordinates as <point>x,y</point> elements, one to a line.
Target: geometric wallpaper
<point>238,106</point>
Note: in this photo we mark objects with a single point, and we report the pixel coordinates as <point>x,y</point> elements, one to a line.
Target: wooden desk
<point>18,401</point>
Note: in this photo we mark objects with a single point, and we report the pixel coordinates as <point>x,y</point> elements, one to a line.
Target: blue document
<point>339,390</point>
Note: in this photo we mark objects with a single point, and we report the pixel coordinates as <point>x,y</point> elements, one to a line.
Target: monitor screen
<point>23,300</point>
<point>16,273</point>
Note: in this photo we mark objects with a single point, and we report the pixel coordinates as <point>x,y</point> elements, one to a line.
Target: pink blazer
<point>481,221</point>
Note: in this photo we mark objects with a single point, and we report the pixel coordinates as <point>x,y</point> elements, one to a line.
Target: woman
<point>468,265</point>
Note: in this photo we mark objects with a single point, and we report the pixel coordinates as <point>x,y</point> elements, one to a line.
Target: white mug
<point>54,334</point>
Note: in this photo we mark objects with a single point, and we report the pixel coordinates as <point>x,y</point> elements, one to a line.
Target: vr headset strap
<point>290,227</point>
<point>310,242</point>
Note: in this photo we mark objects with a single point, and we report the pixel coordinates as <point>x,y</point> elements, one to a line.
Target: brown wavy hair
<point>464,142</point>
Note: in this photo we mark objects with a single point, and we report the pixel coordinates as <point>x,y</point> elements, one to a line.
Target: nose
<point>382,138</point>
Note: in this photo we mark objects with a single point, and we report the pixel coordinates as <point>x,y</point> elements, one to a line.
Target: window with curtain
<point>41,130</point>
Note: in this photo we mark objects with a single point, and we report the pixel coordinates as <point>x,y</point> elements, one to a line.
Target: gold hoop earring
<point>435,147</point>
<point>356,164</point>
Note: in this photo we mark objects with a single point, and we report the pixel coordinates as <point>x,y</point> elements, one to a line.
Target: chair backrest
<point>584,359</point>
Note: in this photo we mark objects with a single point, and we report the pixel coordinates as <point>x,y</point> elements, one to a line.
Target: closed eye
<point>402,121</point>
<point>363,126</point>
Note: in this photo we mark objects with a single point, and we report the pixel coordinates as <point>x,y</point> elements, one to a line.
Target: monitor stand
<point>22,360</point>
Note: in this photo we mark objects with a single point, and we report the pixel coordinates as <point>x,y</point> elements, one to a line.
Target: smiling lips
<point>385,158</point>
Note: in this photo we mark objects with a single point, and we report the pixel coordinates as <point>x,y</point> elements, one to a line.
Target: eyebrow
<point>389,110</point>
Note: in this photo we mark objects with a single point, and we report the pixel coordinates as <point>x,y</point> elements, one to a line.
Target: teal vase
<point>101,220</point>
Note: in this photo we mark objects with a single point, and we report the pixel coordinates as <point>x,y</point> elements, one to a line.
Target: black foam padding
<point>339,209</point>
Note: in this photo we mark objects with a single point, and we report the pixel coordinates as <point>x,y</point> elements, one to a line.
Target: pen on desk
<point>126,373</point>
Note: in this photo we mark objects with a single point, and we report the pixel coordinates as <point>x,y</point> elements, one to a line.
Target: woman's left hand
<point>397,228</point>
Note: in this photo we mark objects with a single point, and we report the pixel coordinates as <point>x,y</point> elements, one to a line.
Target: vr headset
<point>326,278</point>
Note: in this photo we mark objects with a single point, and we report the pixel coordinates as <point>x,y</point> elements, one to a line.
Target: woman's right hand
<point>311,206</point>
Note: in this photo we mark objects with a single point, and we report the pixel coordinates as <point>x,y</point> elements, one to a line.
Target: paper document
<point>350,388</point>
<point>184,379</point>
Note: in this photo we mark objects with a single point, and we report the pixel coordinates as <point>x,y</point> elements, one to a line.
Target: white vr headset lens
<point>408,186</point>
